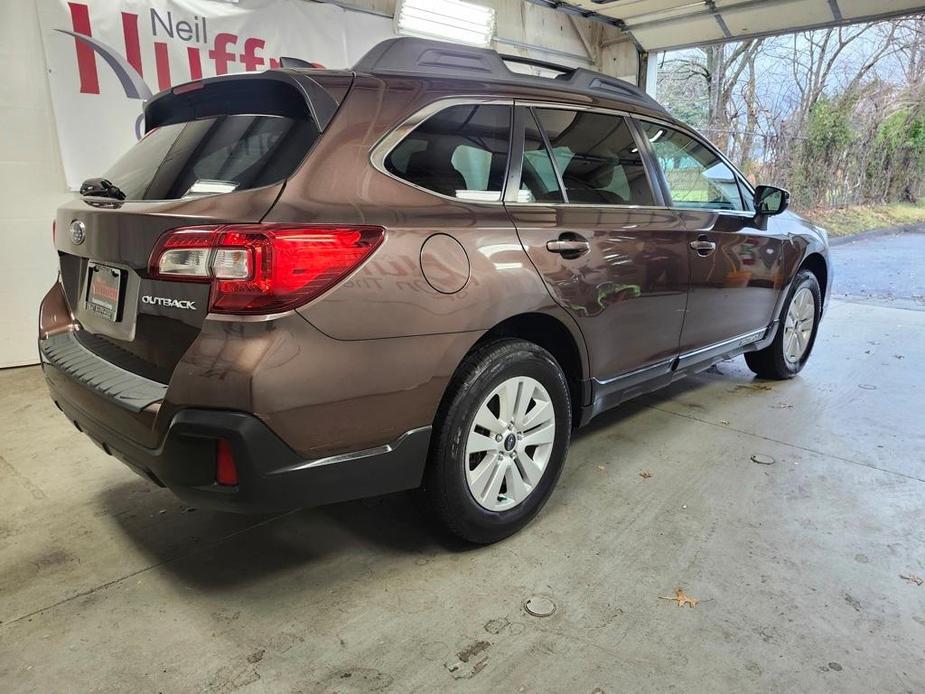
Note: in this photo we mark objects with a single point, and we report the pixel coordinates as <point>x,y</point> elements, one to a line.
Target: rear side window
<point>538,179</point>
<point>213,155</point>
<point>460,152</point>
<point>697,178</point>
<point>597,157</point>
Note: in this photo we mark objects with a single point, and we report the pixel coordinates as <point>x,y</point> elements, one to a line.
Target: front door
<point>735,265</point>
<point>594,227</point>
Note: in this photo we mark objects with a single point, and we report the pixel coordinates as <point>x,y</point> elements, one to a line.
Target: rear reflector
<point>263,268</point>
<point>226,473</point>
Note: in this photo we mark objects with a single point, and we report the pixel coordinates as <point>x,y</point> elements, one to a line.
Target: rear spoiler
<point>289,93</point>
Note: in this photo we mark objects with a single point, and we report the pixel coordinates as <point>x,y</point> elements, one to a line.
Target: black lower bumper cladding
<point>271,476</point>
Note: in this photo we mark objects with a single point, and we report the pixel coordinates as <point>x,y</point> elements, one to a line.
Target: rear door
<point>217,154</point>
<point>736,265</point>
<point>610,252</point>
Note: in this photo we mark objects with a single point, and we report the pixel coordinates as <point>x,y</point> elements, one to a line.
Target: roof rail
<point>533,62</point>
<point>408,55</point>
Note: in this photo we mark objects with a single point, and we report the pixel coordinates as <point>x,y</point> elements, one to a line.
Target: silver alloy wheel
<point>798,326</point>
<point>510,443</point>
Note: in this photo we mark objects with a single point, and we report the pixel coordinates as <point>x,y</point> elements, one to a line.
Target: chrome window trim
<point>383,148</point>
<point>574,107</point>
<point>590,205</point>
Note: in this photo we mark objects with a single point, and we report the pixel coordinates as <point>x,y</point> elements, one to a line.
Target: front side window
<point>697,178</point>
<point>597,157</point>
<point>460,152</point>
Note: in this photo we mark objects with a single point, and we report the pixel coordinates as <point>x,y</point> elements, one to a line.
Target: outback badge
<point>185,304</point>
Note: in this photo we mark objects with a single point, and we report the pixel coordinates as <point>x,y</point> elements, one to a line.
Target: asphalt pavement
<point>885,269</point>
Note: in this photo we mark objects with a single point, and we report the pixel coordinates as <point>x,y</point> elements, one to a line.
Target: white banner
<point>105,57</point>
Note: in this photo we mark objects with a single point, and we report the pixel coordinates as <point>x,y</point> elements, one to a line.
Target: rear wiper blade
<point>101,188</point>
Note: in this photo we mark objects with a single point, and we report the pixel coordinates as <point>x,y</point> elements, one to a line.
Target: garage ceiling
<point>663,24</point>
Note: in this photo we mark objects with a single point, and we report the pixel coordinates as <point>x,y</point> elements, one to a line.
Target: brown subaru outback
<point>305,286</point>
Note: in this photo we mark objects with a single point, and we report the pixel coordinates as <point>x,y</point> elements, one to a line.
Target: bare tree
<point>787,106</point>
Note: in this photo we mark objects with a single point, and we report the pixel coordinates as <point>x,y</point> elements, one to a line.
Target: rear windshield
<point>213,155</point>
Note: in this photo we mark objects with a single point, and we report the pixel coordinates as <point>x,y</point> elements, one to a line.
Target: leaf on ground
<point>912,578</point>
<point>645,474</point>
<point>602,468</point>
<point>681,598</point>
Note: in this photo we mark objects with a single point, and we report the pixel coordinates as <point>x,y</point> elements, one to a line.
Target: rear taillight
<point>262,268</point>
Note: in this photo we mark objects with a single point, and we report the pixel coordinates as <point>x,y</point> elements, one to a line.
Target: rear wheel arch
<point>553,335</point>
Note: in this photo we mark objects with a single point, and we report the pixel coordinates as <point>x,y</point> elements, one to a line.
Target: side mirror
<point>770,200</point>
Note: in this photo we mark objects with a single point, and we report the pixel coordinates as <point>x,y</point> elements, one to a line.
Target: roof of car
<point>411,56</point>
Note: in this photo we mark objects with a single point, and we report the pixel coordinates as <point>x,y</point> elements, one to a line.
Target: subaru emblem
<point>78,232</point>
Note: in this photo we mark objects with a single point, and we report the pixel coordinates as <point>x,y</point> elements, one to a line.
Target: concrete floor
<point>110,584</point>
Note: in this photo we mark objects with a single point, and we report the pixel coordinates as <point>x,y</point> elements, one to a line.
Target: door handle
<point>570,248</point>
<point>703,245</point>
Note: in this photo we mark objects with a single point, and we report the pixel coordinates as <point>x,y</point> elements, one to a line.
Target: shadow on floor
<point>217,550</point>
<point>731,373</point>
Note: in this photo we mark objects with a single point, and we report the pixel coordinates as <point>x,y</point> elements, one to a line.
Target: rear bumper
<point>271,476</point>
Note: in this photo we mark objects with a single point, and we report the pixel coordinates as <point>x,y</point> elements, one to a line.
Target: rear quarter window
<point>460,152</point>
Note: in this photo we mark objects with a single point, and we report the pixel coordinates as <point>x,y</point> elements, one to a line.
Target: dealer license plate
<point>104,291</point>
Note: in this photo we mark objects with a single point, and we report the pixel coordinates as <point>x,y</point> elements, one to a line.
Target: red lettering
<point>195,63</point>
<point>162,62</point>
<point>249,57</point>
<point>132,46</point>
<point>220,55</point>
<point>86,59</point>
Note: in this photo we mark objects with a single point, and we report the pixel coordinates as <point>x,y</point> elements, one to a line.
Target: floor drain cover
<point>762,459</point>
<point>540,606</point>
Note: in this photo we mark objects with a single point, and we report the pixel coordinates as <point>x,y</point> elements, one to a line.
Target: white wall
<point>31,181</point>
<point>526,29</point>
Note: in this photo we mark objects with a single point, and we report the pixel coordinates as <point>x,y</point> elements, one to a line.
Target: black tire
<point>771,362</point>
<point>446,490</point>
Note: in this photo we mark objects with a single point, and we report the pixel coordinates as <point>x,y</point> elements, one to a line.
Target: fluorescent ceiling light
<point>447,20</point>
